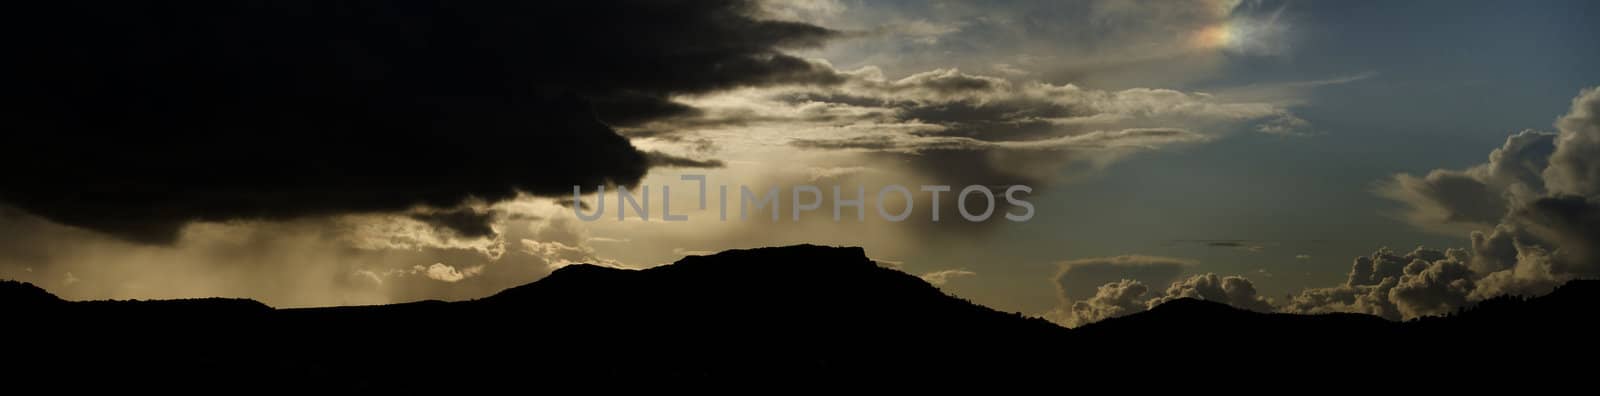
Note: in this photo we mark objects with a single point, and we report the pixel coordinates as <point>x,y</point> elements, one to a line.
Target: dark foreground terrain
<point>800,316</point>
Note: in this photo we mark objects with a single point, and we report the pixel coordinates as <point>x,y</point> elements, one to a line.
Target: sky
<point>1393,158</point>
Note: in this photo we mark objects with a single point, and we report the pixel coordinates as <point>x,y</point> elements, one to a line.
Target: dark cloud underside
<point>665,160</point>
<point>134,118</point>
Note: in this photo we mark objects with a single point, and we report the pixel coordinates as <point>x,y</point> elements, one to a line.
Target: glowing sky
<point>1248,138</point>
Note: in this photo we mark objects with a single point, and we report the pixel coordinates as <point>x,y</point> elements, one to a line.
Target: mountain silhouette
<point>808,316</point>
<point>20,295</point>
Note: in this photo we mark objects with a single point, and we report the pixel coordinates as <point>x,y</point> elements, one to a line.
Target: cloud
<point>693,252</point>
<point>1248,246</point>
<point>557,254</point>
<point>465,222</point>
<point>1097,140</point>
<point>1008,69</point>
<point>345,260</point>
<point>1534,274</point>
<point>1110,300</point>
<point>1288,93</point>
<point>373,111</point>
<point>409,232</point>
<point>938,278</point>
<point>1130,294</point>
<point>917,31</point>
<point>1232,290</point>
<point>808,11</point>
<point>1479,196</point>
<point>560,242</point>
<point>962,128</point>
<point>1102,42</point>
<point>1396,286</point>
<point>1575,166</point>
<point>892,264</point>
<point>1366,299</point>
<point>1080,279</point>
<point>445,273</point>
<point>1435,288</point>
<point>1535,207</point>
<point>817,173</point>
<point>665,160</point>
<point>998,109</point>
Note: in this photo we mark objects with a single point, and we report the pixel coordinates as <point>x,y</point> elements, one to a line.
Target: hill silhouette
<point>802,315</point>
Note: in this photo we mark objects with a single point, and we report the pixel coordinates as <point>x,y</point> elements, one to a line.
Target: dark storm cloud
<point>464,222</point>
<point>632,108</point>
<point>665,160</point>
<point>134,118</point>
